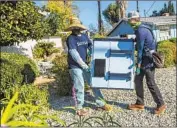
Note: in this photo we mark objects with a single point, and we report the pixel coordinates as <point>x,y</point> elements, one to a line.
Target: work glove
<point>137,71</point>
<point>89,54</point>
<point>86,68</point>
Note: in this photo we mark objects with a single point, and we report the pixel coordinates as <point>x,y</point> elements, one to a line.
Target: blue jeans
<point>78,75</point>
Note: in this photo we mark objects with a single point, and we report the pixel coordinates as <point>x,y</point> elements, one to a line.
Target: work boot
<point>160,110</point>
<point>136,107</point>
<point>82,112</point>
<point>106,107</point>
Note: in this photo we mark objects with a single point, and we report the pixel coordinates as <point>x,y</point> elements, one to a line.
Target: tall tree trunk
<point>99,18</point>
<point>122,7</point>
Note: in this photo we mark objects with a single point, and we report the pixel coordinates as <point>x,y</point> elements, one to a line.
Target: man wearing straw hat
<point>78,45</point>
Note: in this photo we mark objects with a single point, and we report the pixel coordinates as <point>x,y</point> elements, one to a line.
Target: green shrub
<point>169,50</point>
<point>44,49</point>
<point>172,40</point>
<point>16,69</point>
<point>97,35</point>
<point>62,75</point>
<point>10,75</point>
<point>169,60</point>
<point>28,66</point>
<point>29,94</point>
<point>21,114</point>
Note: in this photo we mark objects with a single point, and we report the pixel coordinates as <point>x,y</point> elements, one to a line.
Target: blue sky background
<point>89,11</point>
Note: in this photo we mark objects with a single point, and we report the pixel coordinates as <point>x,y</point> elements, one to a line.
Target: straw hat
<point>75,23</point>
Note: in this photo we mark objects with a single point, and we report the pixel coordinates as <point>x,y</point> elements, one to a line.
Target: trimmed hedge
<point>16,70</point>
<point>62,76</point>
<point>168,48</point>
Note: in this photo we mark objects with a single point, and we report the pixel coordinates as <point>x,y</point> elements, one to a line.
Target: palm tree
<point>111,13</point>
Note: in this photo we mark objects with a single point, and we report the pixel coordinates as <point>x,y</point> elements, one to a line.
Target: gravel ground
<point>166,81</point>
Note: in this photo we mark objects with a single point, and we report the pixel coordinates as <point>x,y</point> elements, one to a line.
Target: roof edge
<point>117,24</point>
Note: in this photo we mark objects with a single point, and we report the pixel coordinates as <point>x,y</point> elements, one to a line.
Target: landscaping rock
<point>166,81</point>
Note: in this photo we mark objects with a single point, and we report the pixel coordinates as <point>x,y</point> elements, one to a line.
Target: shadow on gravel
<point>121,105</point>
<point>67,103</point>
<point>125,106</point>
<point>150,109</point>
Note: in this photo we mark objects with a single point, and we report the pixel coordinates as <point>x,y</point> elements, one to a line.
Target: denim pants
<point>78,76</point>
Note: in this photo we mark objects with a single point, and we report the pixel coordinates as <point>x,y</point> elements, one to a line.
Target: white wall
<point>25,48</point>
<point>55,39</point>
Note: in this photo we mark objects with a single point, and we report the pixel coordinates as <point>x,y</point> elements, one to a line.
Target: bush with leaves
<point>20,21</point>
<point>172,40</point>
<point>10,75</point>
<point>25,115</point>
<point>97,35</point>
<point>44,49</point>
<point>62,12</point>
<point>29,94</point>
<point>15,70</point>
<point>111,13</point>
<point>169,50</point>
<point>63,79</point>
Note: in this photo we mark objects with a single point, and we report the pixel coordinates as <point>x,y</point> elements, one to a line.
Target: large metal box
<point>112,63</point>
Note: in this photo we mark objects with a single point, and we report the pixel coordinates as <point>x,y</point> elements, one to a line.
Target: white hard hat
<point>133,14</point>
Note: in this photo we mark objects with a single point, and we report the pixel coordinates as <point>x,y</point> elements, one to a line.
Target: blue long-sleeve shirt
<point>77,50</point>
<point>144,39</point>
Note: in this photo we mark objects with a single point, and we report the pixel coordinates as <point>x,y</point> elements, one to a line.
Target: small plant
<point>105,121</point>
<point>44,49</point>
<point>28,94</point>
<point>9,112</point>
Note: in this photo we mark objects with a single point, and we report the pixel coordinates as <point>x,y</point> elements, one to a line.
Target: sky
<point>89,11</point>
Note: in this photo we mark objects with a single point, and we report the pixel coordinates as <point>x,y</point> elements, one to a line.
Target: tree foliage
<point>20,21</point>
<point>52,23</point>
<point>94,32</point>
<point>166,9</point>
<point>171,9</point>
<point>62,13</point>
<point>111,13</point>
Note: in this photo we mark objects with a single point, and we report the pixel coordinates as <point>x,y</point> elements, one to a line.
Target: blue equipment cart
<point>112,63</point>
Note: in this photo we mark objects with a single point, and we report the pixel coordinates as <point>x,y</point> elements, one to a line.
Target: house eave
<point>171,21</point>
<point>115,27</point>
